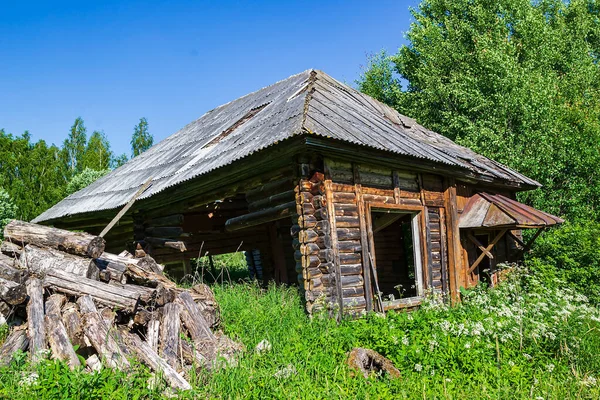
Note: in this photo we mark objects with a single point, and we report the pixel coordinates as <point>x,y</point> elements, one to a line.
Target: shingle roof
<point>310,101</point>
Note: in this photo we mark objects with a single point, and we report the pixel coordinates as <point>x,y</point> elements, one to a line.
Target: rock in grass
<point>367,361</point>
<point>263,347</point>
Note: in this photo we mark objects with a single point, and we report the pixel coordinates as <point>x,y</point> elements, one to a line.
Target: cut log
<point>12,292</point>
<point>149,357</point>
<point>169,333</point>
<point>10,249</point>
<point>43,261</point>
<point>153,332</point>
<point>144,277</point>
<point>207,303</point>
<point>16,340</point>
<point>191,356</point>
<point>93,363</point>
<point>110,295</point>
<point>78,243</point>
<point>111,270</point>
<point>61,346</point>
<point>72,321</point>
<point>193,320</point>
<point>5,311</point>
<point>9,272</point>
<point>169,243</point>
<point>102,339</point>
<point>108,316</point>
<point>35,319</point>
<point>86,304</point>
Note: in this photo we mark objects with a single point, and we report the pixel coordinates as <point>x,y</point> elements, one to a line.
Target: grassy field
<point>525,339</point>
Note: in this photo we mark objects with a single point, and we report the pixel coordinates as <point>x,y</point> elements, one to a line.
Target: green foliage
<point>230,268</point>
<point>74,146</point>
<point>8,210</point>
<point>141,140</point>
<point>97,155</point>
<point>526,338</point>
<point>515,80</point>
<point>83,179</point>
<point>33,174</point>
<point>572,253</point>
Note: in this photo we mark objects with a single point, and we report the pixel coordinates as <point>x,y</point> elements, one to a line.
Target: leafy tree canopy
<point>515,80</point>
<point>84,179</point>
<point>97,155</point>
<point>74,146</point>
<point>141,140</point>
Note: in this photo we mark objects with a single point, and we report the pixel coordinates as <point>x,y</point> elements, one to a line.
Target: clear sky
<point>112,62</point>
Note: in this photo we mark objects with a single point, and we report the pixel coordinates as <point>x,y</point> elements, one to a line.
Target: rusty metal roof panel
<point>486,210</point>
<point>311,102</point>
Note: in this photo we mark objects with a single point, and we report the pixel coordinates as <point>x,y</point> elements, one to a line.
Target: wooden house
<point>322,186</point>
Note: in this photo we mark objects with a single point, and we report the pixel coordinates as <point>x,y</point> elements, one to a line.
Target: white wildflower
<point>527,356</point>
<point>418,367</point>
<point>589,381</point>
<point>550,367</point>
<point>405,340</point>
<point>263,347</point>
<point>467,345</point>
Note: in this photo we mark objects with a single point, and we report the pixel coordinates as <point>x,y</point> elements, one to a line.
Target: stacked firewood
<point>66,298</point>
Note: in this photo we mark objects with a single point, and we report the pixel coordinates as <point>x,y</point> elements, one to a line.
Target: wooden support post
<point>455,263</point>
<point>364,240</point>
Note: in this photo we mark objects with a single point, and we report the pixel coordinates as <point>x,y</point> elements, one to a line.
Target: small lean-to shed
<point>322,186</point>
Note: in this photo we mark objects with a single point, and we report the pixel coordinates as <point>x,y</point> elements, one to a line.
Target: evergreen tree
<point>74,146</point>
<point>141,140</point>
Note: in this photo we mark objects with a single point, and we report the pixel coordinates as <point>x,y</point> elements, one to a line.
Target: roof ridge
<point>310,88</point>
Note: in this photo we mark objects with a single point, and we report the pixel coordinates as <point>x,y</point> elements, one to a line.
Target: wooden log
<point>354,302</point>
<point>16,340</point>
<point>5,312</point>
<point>344,197</point>
<point>350,258</point>
<point>319,201</point>
<point>191,356</point>
<point>10,249</point>
<point>168,243</point>
<point>72,322</point>
<point>348,234</point>
<point>321,214</point>
<point>305,209</point>
<point>169,220</point>
<point>309,249</point>
<point>165,231</point>
<point>193,320</point>
<point>9,272</point>
<point>12,292</point>
<point>310,261</point>
<point>43,261</point>
<point>308,221</point>
<point>271,201</point>
<point>108,316</point>
<point>260,217</point>
<point>268,189</point>
<point>308,236</point>
<point>153,333</point>
<point>94,363</point>
<point>35,318</point>
<point>110,270</point>
<point>149,357</point>
<point>349,246</point>
<point>347,222</point>
<point>304,197</point>
<point>78,243</point>
<point>169,333</point>
<point>110,295</point>
<point>103,341</point>
<point>86,304</point>
<point>56,332</point>
<point>207,303</point>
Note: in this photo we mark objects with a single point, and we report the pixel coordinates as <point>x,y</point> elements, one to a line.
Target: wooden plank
<point>35,319</point>
<point>117,217</point>
<point>455,261</point>
<point>488,248</point>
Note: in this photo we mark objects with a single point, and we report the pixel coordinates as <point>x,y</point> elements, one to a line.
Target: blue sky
<point>114,62</point>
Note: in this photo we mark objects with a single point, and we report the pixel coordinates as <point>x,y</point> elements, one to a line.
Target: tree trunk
<point>58,338</point>
<point>10,249</point>
<point>78,243</point>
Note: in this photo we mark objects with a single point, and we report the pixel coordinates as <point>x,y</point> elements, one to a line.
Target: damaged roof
<point>307,103</point>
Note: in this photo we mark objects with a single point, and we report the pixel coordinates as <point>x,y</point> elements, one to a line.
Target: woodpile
<point>66,298</point>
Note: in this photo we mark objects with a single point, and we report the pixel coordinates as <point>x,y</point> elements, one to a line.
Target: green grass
<point>526,339</point>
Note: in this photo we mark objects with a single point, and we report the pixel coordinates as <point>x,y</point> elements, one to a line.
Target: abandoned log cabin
<point>321,186</point>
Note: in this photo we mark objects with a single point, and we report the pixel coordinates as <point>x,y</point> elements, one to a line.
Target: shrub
<point>571,253</point>
<point>8,210</point>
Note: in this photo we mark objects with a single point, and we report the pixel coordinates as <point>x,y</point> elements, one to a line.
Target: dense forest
<point>34,175</point>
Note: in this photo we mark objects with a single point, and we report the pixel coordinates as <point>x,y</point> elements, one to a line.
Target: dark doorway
<point>395,249</point>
